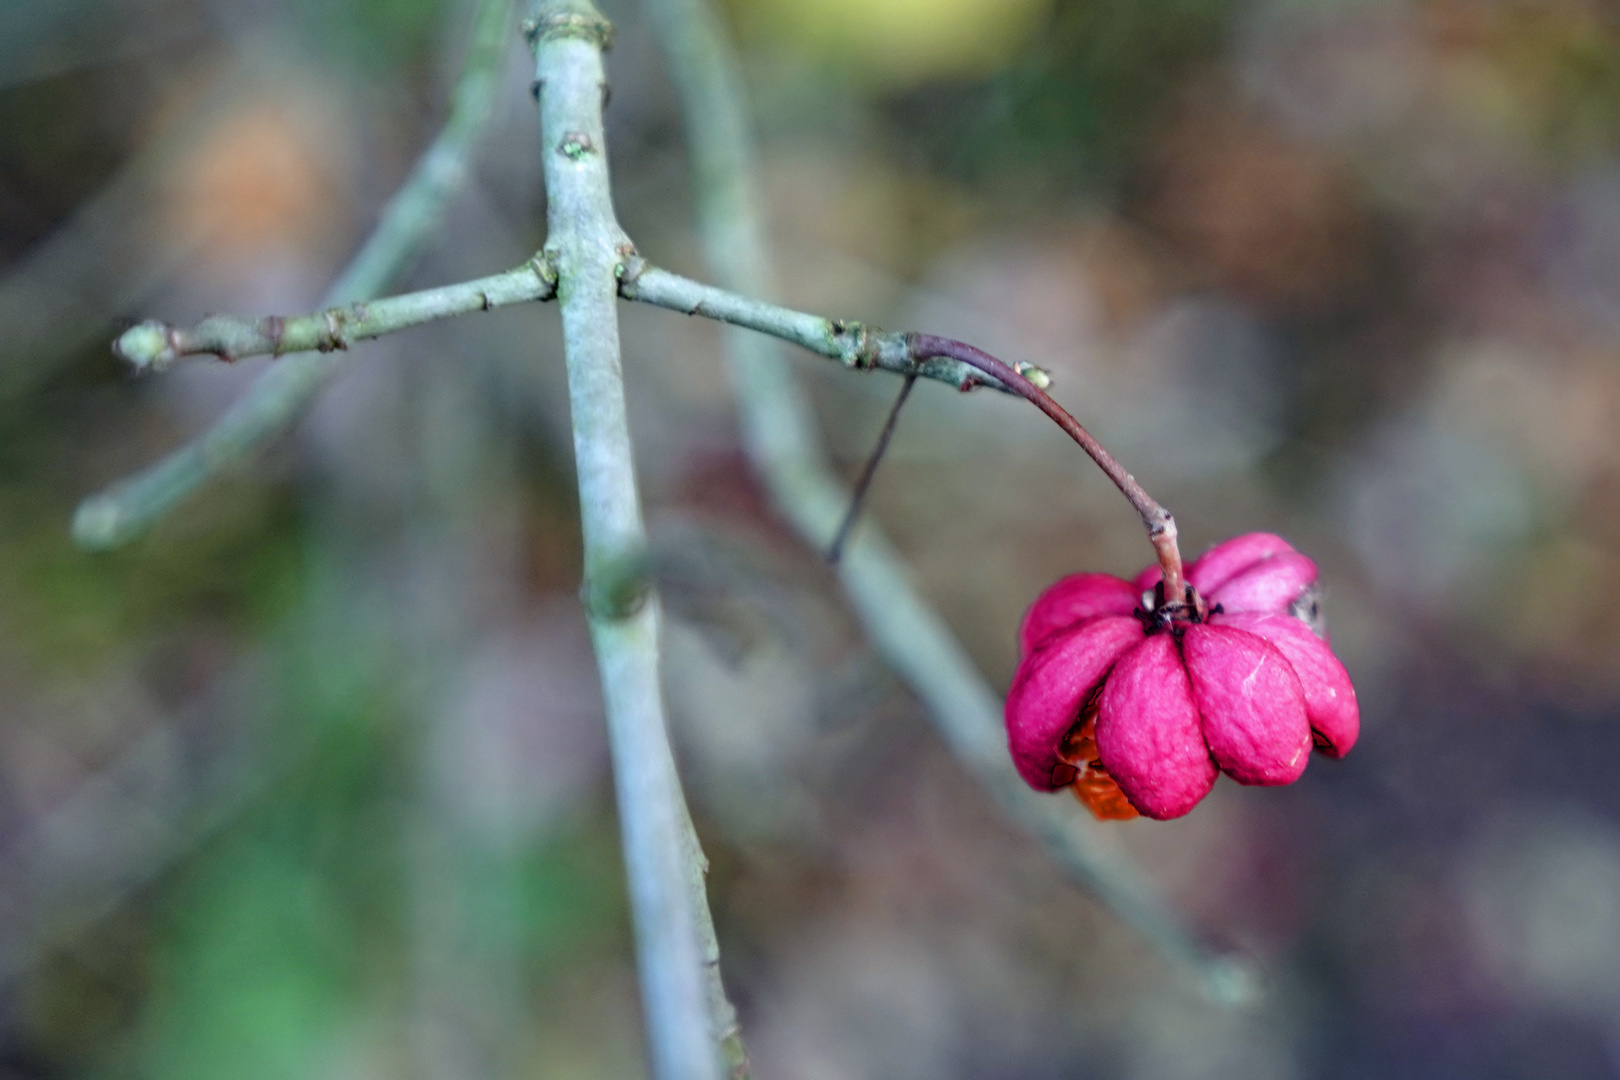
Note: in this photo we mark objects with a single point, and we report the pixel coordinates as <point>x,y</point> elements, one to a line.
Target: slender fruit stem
<point>1161,526</point>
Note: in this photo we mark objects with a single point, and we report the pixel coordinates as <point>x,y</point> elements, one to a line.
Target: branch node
<point>617,588</point>
<point>569,24</point>
<point>273,327</point>
<point>544,264</point>
<point>576,145</point>
<point>857,348</point>
<point>333,339</point>
<point>630,268</point>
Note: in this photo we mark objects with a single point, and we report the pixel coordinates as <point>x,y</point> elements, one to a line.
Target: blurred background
<point>311,782</point>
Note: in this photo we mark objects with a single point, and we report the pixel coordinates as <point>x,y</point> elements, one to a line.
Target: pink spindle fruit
<point>1138,703</point>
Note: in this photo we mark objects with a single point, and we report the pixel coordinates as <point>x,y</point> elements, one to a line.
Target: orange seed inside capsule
<point>1092,784</point>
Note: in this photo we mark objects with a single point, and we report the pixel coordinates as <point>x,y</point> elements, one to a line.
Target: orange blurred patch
<point>1268,216</point>
<point>258,181</point>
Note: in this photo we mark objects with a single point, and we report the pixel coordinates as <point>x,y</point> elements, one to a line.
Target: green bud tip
<point>1039,376</point>
<point>146,345</point>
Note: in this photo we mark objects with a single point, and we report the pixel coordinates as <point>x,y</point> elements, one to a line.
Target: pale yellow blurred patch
<point>852,228</point>
<point>895,42</point>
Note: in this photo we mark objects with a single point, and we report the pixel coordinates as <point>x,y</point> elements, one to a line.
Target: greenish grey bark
<point>230,337</point>
<point>586,246</point>
<point>853,344</point>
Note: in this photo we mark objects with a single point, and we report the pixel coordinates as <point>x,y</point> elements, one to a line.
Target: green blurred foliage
<point>237,570</point>
<point>256,973</point>
<point>377,37</point>
<point>234,562</point>
<point>893,42</point>
<point>1074,109</point>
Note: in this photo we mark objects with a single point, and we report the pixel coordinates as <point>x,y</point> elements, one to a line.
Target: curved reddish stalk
<point>1161,526</point>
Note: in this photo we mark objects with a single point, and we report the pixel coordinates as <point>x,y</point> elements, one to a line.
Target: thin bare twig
<point>279,396</point>
<point>854,344</point>
<point>585,244</point>
<point>863,482</point>
<point>155,345</point>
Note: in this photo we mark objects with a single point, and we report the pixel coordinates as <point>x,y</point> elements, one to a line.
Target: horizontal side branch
<point>853,344</point>
<point>155,345</point>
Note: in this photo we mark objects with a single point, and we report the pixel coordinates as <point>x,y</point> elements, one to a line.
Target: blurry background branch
<point>282,393</point>
<point>783,443</point>
<point>131,821</point>
<point>586,246</point>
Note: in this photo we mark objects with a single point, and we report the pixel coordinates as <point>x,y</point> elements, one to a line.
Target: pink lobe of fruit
<point>1052,685</point>
<point>1148,734</point>
<point>1269,585</point>
<point>1330,699</point>
<point>1073,600</point>
<point>1222,562</point>
<point>1228,559</point>
<point>1252,704</point>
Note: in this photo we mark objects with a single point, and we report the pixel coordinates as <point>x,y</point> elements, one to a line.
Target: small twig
<point>155,345</point>
<point>279,396</point>
<point>869,470</point>
<point>853,344</point>
<point>1161,526</point>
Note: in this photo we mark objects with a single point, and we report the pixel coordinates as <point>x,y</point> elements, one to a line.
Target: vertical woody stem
<point>585,245</point>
